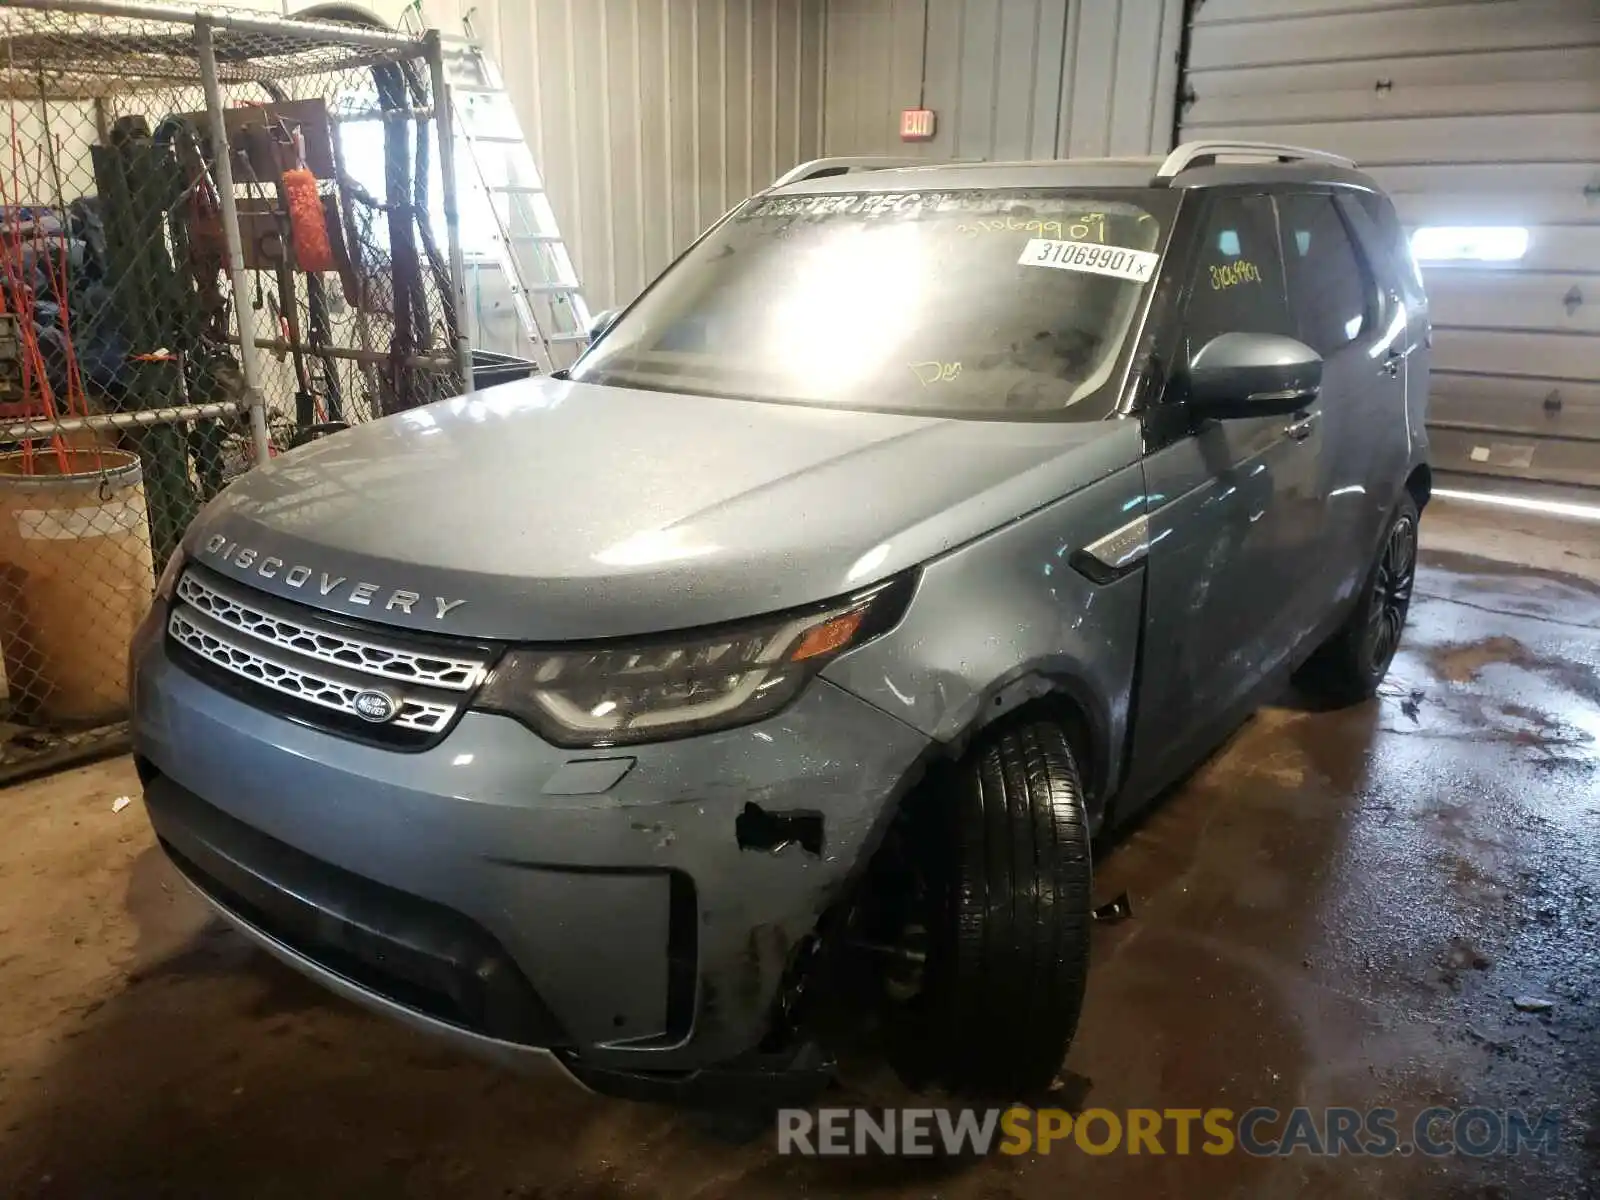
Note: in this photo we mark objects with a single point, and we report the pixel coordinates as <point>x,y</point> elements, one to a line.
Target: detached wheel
<point>1003,850</point>
<point>1350,665</point>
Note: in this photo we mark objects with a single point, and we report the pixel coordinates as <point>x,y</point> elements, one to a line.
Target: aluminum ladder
<point>504,180</point>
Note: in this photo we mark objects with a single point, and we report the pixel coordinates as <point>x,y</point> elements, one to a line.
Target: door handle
<point>1300,428</point>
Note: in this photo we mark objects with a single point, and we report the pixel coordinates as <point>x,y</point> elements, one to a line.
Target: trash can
<point>78,576</point>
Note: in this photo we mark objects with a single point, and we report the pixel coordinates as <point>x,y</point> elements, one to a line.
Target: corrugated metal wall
<point>1484,113</point>
<point>651,118</point>
<point>1007,78</point>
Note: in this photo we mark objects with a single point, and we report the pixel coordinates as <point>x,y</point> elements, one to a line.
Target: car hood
<point>551,510</point>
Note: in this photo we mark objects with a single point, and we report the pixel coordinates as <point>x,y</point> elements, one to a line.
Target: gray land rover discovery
<point>917,525</point>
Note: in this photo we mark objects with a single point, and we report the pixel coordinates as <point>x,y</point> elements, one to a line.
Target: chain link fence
<point>221,235</point>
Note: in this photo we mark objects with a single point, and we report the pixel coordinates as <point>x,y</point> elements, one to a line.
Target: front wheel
<point>1006,915</point>
<point>1351,664</point>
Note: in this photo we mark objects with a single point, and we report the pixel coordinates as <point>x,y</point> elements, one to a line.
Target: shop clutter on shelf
<point>142,365</point>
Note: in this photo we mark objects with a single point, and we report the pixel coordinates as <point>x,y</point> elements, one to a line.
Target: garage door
<point>1483,121</point>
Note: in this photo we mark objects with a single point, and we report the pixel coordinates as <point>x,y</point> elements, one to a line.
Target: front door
<point>1236,517</point>
<point>1361,332</point>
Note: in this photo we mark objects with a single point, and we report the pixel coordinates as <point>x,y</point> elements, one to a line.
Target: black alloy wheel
<point>1391,594</point>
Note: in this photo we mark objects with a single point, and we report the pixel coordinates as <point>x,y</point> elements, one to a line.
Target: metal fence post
<point>249,352</point>
<point>444,126</point>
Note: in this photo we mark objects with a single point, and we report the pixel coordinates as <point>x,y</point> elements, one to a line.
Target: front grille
<point>285,657</point>
<point>339,649</point>
<point>214,646</point>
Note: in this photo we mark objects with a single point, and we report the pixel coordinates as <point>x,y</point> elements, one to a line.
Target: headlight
<point>610,694</point>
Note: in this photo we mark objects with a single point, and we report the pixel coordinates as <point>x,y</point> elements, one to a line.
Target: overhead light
<point>1554,508</point>
<point>1469,243</point>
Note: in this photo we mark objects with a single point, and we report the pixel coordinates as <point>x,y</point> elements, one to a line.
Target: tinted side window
<point>1238,280</point>
<point>1381,210</point>
<point>1329,289</point>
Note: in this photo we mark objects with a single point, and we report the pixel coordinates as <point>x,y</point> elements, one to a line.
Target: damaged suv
<point>916,525</point>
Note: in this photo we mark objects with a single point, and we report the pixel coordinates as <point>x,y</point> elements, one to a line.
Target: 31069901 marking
<point>1119,262</point>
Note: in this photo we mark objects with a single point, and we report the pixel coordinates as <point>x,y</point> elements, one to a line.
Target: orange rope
<point>41,252</point>
<point>33,365</point>
<point>23,324</point>
<point>60,279</point>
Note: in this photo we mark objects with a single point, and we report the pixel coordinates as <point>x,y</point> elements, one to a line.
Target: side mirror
<point>1253,375</point>
<point>602,321</point>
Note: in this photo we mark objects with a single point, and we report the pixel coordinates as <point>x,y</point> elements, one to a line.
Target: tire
<point>1349,666</point>
<point>1007,915</point>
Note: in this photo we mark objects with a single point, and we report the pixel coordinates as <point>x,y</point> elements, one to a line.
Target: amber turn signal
<point>829,636</point>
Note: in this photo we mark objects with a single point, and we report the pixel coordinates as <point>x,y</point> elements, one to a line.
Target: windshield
<point>978,303</point>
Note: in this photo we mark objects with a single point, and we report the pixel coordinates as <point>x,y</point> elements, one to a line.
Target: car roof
<point>1192,165</point>
<point>960,176</point>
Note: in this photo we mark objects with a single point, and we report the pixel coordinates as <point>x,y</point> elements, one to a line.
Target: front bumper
<point>514,896</point>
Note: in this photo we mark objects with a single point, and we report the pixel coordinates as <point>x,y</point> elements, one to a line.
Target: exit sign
<point>916,125</point>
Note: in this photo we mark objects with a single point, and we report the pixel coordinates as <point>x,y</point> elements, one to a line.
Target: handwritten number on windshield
<point>932,372</point>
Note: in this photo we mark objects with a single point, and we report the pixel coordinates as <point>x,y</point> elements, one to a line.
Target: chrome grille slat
<point>338,648</point>
<point>335,689</point>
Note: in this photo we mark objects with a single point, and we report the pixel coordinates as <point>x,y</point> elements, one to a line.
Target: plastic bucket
<point>76,577</point>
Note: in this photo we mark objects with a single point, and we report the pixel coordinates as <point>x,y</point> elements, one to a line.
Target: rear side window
<point>1329,289</point>
<point>1381,210</point>
<point>1237,285</point>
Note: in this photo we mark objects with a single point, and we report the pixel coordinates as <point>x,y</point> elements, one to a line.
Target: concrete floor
<point>1338,909</point>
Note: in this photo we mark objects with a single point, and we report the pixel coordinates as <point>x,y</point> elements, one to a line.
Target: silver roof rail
<point>1190,153</point>
<point>845,166</point>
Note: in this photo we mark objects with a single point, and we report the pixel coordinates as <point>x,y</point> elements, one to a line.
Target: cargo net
<point>123,399</point>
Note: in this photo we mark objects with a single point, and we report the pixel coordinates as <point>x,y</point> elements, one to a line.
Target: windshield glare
<point>966,303</point>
